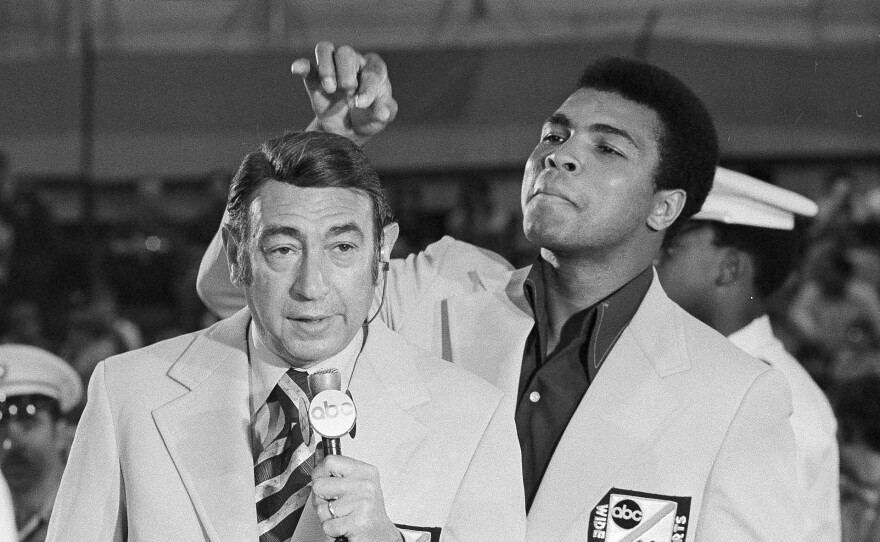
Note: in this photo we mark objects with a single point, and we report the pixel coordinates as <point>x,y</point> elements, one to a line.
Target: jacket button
<point>534,397</point>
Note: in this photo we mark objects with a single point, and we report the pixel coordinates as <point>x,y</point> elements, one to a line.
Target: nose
<point>563,160</point>
<point>310,284</point>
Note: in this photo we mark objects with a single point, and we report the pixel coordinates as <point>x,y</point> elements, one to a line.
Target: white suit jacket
<point>162,452</point>
<point>677,415</point>
<point>815,432</point>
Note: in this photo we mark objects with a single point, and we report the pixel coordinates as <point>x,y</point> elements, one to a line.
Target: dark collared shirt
<point>552,384</point>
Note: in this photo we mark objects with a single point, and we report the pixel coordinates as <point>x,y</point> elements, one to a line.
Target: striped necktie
<point>283,471</point>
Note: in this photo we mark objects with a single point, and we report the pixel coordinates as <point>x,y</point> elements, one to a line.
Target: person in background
<point>623,400</point>
<point>835,309</point>
<point>856,403</point>
<point>37,390</point>
<point>722,267</point>
<point>201,437</point>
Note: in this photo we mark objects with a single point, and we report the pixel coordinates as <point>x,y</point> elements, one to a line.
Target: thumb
<point>303,67</point>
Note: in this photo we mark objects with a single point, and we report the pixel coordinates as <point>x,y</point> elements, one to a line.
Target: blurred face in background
<point>32,441</point>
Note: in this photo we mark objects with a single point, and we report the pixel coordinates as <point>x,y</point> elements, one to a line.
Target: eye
<point>605,149</point>
<point>344,247</point>
<point>552,138</point>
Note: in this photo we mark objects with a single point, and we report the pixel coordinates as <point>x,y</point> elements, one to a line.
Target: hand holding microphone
<point>346,493</point>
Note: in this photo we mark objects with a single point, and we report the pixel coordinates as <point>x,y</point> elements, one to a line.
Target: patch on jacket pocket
<point>419,534</point>
<point>630,516</point>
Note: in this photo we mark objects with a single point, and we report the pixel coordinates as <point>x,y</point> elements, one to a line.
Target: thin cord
<point>384,285</point>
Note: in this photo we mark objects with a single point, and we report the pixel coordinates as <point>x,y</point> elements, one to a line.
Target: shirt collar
<point>754,337</point>
<point>267,368</point>
<point>613,313</point>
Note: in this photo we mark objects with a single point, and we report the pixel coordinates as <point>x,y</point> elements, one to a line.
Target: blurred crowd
<point>828,314</point>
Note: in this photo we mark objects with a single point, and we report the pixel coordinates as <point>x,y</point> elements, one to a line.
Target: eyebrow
<point>349,227</point>
<point>612,130</point>
<point>334,231</point>
<point>560,120</point>
<point>563,121</point>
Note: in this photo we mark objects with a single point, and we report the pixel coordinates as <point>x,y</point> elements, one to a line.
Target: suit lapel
<point>626,408</point>
<point>386,387</point>
<point>207,431</point>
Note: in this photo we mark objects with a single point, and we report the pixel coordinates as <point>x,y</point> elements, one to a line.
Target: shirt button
<point>534,397</point>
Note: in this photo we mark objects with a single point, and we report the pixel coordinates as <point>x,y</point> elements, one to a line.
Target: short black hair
<point>304,159</point>
<point>688,141</point>
<point>775,253</point>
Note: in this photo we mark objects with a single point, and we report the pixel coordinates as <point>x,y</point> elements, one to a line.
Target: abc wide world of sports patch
<point>633,516</point>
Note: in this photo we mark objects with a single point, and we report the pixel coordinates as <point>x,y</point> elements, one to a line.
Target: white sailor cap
<point>28,370</point>
<point>736,198</point>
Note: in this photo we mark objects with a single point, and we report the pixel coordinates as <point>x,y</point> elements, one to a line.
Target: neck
<point>574,282</point>
<point>736,312</point>
<point>36,498</point>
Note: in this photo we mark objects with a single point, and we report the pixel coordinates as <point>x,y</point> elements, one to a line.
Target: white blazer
<point>676,411</point>
<point>163,448</point>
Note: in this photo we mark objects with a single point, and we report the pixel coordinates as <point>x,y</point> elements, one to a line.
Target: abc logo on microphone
<point>332,414</point>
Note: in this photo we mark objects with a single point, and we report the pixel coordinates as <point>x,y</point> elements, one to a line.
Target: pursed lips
<point>543,181</point>
<point>549,193</point>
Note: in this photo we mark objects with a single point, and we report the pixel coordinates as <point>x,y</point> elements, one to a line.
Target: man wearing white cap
<point>721,267</point>
<point>37,389</point>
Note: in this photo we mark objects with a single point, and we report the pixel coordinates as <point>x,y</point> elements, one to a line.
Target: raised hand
<point>350,92</point>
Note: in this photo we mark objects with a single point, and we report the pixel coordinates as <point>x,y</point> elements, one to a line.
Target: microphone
<point>332,413</point>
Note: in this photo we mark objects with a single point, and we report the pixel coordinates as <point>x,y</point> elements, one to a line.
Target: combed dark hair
<point>308,160</point>
<point>776,253</point>
<point>688,142</point>
<point>856,404</point>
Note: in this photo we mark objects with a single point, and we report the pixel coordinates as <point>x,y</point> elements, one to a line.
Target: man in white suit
<point>176,438</point>
<point>635,420</point>
<point>722,267</point>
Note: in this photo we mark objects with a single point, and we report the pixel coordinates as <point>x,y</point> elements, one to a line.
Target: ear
<point>389,237</point>
<point>732,267</point>
<point>667,205</point>
<point>232,247</point>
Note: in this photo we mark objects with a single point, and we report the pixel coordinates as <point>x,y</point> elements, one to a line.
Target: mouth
<point>312,323</point>
<point>548,194</point>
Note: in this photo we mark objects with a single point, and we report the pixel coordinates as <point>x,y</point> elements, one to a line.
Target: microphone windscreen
<point>325,379</point>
